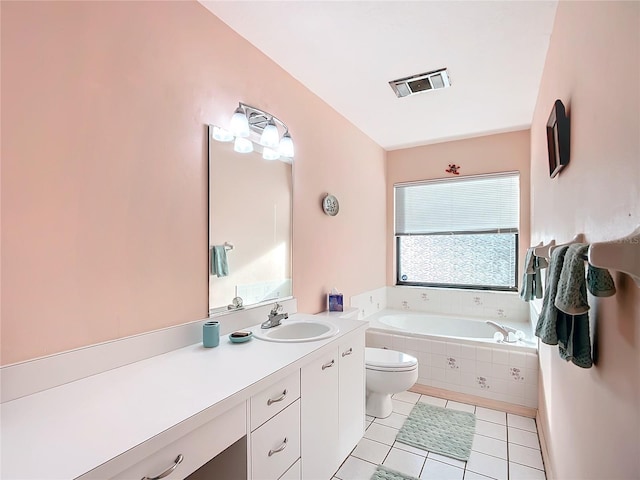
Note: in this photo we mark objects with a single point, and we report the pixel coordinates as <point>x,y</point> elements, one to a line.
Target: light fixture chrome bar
<point>258,119</point>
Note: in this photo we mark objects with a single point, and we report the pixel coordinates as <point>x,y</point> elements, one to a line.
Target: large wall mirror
<point>250,223</point>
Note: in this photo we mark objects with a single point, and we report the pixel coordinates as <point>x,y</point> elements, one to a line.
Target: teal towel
<point>547,321</point>
<point>571,297</point>
<point>531,279</point>
<point>574,341</point>
<point>219,264</point>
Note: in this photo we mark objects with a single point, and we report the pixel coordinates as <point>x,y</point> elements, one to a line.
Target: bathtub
<point>447,326</point>
<point>460,354</point>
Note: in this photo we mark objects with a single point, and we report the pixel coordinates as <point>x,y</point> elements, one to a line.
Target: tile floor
<point>505,447</point>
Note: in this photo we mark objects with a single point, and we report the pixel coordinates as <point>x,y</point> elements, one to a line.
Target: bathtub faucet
<point>504,329</point>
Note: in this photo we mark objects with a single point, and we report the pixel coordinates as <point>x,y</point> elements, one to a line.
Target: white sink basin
<point>298,331</point>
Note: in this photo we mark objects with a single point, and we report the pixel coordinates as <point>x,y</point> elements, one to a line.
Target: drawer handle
<point>280,448</point>
<point>168,471</point>
<point>348,352</point>
<point>279,399</point>
<point>327,365</point>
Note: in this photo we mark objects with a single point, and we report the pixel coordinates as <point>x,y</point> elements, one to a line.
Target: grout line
<point>528,466</point>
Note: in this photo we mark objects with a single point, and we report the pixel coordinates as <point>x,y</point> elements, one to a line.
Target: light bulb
<point>286,146</point>
<point>269,154</point>
<point>243,145</point>
<point>270,136</point>
<point>239,124</point>
<point>221,135</point>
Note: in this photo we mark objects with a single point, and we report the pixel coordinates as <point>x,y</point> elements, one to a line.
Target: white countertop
<point>66,431</point>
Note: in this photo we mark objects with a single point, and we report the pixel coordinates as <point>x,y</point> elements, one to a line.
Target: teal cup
<point>211,334</point>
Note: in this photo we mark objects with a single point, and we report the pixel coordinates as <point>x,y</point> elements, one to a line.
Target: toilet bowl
<point>387,372</point>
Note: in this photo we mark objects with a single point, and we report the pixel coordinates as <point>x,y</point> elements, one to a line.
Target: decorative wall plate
<point>330,205</point>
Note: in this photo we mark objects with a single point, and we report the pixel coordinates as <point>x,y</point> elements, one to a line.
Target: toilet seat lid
<point>380,358</point>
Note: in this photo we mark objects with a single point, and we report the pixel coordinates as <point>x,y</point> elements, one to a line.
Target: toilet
<point>387,372</point>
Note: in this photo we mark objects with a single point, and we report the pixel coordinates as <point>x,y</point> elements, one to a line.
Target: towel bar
<point>544,250</point>
<point>622,255</point>
<point>579,238</point>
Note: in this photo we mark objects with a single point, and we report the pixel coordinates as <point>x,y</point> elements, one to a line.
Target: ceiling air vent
<point>421,83</point>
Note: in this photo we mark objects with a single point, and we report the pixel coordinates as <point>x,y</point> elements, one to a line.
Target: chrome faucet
<point>236,304</point>
<point>504,329</point>
<point>274,317</point>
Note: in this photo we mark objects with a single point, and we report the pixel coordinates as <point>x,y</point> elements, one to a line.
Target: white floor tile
<point>394,420</point>
<point>487,465</point>
<point>490,446</point>
<point>524,438</point>
<point>469,475</point>
<point>489,415</point>
<point>523,423</point>
<point>410,449</point>
<point>369,418</point>
<point>367,423</point>
<point>440,471</point>
<point>520,472</point>
<point>381,433</point>
<point>371,451</point>
<point>407,396</point>
<point>463,407</point>
<point>401,407</point>
<point>529,457</point>
<point>438,402</point>
<point>443,459</point>
<point>404,462</point>
<point>355,469</point>
<point>489,429</point>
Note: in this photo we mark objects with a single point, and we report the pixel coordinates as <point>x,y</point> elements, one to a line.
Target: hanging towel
<point>574,339</point>
<point>571,297</point>
<point>547,321</point>
<point>219,265</point>
<point>599,282</point>
<point>532,279</point>
<point>527,288</point>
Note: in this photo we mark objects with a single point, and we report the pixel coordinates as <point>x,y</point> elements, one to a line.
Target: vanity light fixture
<point>253,128</point>
<point>243,145</point>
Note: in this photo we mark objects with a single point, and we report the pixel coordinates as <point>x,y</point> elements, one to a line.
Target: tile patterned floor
<point>505,447</point>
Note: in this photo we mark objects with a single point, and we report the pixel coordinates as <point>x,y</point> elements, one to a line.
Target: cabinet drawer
<point>274,399</point>
<point>275,446</point>
<point>294,473</point>
<point>196,448</point>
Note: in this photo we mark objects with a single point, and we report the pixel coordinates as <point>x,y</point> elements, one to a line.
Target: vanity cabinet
<point>351,393</point>
<point>319,416</point>
<point>275,425</point>
<point>332,418</point>
<point>195,449</point>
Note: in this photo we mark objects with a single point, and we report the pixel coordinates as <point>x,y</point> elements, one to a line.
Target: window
<point>458,233</point>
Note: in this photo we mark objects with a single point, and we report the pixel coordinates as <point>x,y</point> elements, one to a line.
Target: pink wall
<point>104,171</point>
<point>591,418</point>
<point>489,154</point>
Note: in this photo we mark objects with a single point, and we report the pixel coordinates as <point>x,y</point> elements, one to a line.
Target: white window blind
<point>488,203</point>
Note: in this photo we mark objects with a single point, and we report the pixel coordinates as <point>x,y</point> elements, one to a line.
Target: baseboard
<point>542,422</point>
<point>475,400</point>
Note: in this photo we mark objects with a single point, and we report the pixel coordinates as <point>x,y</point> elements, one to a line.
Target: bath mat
<point>384,473</point>
<point>439,430</point>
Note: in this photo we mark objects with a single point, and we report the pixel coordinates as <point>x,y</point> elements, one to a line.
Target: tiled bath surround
<point>502,372</point>
<point>469,303</point>
<point>499,373</point>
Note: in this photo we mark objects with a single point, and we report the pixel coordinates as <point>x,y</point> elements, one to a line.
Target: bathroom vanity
<point>260,409</point>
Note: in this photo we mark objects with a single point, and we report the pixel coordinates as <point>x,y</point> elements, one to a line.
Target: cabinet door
<point>319,419</point>
<point>351,393</point>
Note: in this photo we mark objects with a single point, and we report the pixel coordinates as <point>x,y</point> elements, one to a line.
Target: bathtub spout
<point>504,329</point>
